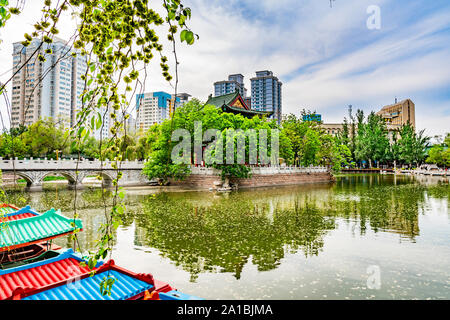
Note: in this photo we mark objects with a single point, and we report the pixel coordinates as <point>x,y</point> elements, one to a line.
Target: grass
<point>48,178</point>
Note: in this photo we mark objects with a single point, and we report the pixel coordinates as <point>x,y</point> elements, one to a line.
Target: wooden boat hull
<point>25,253</point>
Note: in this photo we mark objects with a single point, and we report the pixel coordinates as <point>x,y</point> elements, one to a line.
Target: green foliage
<point>440,153</point>
<point>333,154</point>
<point>310,145</point>
<point>106,285</point>
<point>369,141</point>
<point>372,141</point>
<point>233,170</point>
<point>4,14</point>
<point>45,137</point>
<point>411,146</point>
<point>157,168</point>
<point>42,138</point>
<point>160,164</point>
<point>118,40</point>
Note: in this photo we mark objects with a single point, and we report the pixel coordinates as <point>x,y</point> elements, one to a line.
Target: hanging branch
<point>117,40</point>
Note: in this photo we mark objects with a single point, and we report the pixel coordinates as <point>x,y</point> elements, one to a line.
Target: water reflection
<point>220,234</point>
<point>225,234</point>
<point>386,218</point>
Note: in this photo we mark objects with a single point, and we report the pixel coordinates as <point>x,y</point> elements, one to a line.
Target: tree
<point>436,155</point>
<point>372,142</point>
<point>90,149</point>
<point>230,128</point>
<point>159,164</point>
<point>411,146</point>
<point>333,153</point>
<point>46,138</point>
<point>304,139</point>
<point>421,143</point>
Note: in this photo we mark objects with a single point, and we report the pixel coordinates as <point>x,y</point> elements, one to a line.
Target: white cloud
<point>325,57</point>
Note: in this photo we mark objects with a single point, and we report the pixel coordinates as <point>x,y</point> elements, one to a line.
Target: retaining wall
<point>205,178</point>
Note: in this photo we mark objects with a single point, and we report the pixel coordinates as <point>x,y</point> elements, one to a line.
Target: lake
<point>362,237</point>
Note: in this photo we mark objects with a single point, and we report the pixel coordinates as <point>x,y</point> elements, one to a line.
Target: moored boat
<point>6,208</point>
<point>13,213</point>
<point>31,269</point>
<point>18,255</point>
<point>64,278</point>
<point>40,274</point>
<point>25,254</point>
<point>36,229</point>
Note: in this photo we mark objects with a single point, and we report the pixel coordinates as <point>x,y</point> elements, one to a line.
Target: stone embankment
<point>208,178</point>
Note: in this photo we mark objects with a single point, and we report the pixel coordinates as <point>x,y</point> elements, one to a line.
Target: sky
<point>326,57</point>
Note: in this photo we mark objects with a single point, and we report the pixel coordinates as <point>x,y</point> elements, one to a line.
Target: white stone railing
<point>71,164</point>
<point>287,170</point>
<point>64,164</point>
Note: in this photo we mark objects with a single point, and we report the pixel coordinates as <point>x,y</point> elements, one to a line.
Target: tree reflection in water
<point>223,236</point>
<point>206,232</point>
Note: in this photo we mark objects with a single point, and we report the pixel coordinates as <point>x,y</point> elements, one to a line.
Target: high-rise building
<point>266,93</point>
<point>49,89</point>
<point>399,113</point>
<point>184,98</point>
<point>45,89</point>
<point>234,82</point>
<point>151,108</point>
<point>78,69</point>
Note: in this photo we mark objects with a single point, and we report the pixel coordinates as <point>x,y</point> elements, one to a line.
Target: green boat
<point>24,232</point>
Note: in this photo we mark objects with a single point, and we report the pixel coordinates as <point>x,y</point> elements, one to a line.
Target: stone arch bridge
<point>35,170</point>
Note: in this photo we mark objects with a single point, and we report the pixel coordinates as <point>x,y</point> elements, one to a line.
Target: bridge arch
<point>71,177</point>
<point>106,176</point>
<point>29,179</point>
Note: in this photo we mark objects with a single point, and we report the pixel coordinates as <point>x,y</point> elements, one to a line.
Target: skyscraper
<point>235,81</point>
<point>151,108</point>
<point>266,93</point>
<point>51,88</point>
<point>45,89</point>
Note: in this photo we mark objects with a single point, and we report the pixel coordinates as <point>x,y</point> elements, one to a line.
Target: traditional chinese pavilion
<point>234,103</point>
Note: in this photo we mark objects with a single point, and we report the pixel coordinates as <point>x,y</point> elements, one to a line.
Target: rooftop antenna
<point>350,111</point>
<point>331,3</point>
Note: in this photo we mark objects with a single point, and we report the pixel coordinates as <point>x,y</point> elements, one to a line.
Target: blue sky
<point>326,57</point>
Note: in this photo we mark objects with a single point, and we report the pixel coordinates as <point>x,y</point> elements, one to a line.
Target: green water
<point>306,242</point>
